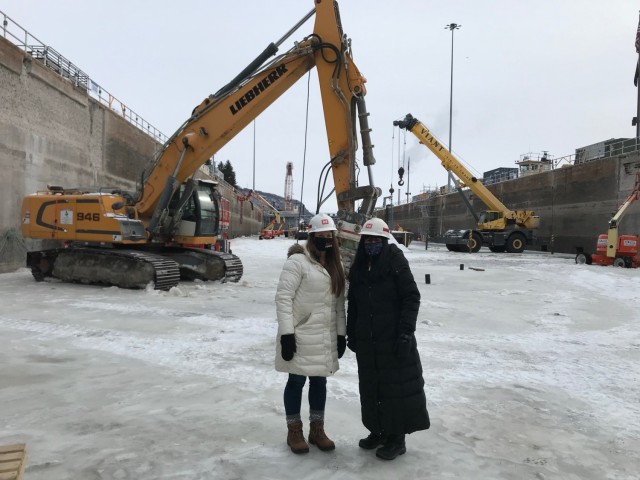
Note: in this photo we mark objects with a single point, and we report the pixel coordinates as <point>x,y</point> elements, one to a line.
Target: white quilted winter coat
<point>306,307</point>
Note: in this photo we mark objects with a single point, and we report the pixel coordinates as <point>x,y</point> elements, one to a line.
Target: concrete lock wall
<point>53,133</point>
<point>575,204</point>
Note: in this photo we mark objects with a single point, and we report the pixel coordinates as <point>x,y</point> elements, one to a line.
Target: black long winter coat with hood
<point>383,303</point>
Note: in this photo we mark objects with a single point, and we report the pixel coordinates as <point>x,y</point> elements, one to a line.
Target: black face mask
<point>323,244</point>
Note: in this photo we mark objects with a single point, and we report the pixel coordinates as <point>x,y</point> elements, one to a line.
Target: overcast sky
<point>548,75</point>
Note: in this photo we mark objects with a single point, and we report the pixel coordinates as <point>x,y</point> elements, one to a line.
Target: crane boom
<point>450,163</point>
<point>499,227</point>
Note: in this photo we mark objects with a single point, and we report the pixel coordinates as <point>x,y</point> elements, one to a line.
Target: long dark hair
<point>333,263</point>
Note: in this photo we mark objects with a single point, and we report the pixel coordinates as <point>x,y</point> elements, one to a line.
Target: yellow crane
<point>499,228</point>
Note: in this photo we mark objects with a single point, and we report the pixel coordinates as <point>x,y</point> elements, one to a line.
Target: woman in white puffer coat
<point>311,329</point>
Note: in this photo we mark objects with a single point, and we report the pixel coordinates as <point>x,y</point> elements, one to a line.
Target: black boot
<point>393,447</point>
<point>374,440</point>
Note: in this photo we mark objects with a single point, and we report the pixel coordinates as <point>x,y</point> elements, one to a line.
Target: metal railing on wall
<point>52,59</point>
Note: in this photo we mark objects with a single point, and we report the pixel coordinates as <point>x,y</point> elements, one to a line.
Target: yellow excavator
<point>499,228</point>
<point>165,231</point>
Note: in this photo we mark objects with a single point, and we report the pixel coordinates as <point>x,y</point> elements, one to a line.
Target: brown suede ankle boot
<point>295,438</point>
<point>319,438</point>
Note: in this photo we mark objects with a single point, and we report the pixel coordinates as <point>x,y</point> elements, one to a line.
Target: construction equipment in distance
<point>613,248</point>
<point>275,224</point>
<point>498,228</point>
<point>402,236</point>
<point>165,231</point>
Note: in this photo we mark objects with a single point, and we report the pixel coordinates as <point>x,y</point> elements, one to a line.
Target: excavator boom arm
<point>217,120</point>
<point>223,115</point>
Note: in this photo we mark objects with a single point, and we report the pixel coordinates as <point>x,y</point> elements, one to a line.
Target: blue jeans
<point>293,393</point>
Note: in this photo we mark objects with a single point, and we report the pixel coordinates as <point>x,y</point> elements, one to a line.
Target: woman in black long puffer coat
<point>381,320</point>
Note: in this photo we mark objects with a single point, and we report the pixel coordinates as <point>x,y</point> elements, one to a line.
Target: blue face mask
<point>373,249</point>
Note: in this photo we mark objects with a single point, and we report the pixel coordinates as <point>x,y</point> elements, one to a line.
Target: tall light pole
<point>452,27</point>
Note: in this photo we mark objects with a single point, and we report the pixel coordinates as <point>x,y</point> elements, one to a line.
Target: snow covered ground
<point>532,365</point>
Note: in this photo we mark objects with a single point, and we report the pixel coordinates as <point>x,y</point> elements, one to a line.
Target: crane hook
<point>401,174</point>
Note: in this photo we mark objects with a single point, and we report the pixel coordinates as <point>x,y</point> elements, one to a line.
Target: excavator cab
<point>200,221</point>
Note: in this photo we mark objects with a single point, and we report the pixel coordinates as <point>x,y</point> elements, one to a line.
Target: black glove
<point>403,345</point>
<point>288,344</point>
<point>351,343</point>
<point>342,345</point>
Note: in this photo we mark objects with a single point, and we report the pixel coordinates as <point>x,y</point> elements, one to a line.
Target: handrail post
<point>66,69</point>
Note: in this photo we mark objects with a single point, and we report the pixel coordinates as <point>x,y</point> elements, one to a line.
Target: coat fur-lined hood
<point>295,248</point>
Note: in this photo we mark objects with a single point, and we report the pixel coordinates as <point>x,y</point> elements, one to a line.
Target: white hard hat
<point>376,227</point>
<point>322,223</point>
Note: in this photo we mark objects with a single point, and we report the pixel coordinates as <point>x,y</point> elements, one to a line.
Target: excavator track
<point>121,268</point>
<point>134,268</point>
<point>206,265</point>
<point>234,268</point>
